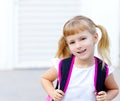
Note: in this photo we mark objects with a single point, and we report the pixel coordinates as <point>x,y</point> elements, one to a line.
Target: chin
<point>83,57</point>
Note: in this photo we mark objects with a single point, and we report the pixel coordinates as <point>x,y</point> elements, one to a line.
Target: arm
<point>112,87</point>
<point>112,90</point>
<point>47,82</point>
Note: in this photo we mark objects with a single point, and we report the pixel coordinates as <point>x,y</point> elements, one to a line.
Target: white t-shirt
<point>81,85</point>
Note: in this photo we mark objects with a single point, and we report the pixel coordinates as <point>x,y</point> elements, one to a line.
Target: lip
<point>81,52</point>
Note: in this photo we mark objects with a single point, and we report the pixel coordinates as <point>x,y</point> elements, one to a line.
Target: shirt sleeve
<point>111,69</point>
<point>55,62</point>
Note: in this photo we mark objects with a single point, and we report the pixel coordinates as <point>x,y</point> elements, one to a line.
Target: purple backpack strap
<point>107,70</point>
<point>59,71</point>
<point>95,73</point>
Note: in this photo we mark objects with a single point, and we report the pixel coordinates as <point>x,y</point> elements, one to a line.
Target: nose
<point>78,45</point>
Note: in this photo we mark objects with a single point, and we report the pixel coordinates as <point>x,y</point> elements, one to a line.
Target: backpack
<point>65,70</point>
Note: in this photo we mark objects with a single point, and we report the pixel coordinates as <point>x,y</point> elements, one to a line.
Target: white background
<point>30,29</point>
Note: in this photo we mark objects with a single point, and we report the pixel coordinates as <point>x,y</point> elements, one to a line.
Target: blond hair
<point>77,25</point>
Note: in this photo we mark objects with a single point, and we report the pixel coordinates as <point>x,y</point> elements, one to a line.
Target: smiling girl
<point>78,41</point>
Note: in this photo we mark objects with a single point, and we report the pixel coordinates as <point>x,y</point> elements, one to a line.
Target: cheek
<point>89,44</point>
<point>71,48</point>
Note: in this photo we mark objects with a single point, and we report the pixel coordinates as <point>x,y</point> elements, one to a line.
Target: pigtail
<point>103,45</point>
<point>63,50</point>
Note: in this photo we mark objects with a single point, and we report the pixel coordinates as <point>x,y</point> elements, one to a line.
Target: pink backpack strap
<point>59,71</point>
<point>95,74</point>
<point>107,70</point>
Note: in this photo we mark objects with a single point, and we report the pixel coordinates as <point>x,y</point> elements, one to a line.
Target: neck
<point>84,63</point>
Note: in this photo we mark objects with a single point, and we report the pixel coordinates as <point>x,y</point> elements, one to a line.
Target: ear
<point>95,36</point>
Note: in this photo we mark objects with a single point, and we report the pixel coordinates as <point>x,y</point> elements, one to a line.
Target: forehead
<point>79,35</point>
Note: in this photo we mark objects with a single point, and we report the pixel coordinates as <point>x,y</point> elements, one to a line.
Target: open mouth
<point>80,52</point>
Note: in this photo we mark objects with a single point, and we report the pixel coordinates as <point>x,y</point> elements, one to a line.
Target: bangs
<point>74,27</point>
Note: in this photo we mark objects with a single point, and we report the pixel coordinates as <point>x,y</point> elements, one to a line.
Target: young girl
<point>78,40</point>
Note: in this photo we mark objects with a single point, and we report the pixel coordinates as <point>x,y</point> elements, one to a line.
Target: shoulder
<point>111,69</point>
<point>108,68</point>
<point>55,62</point>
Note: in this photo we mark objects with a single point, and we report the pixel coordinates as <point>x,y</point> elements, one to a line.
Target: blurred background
<point>29,32</point>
